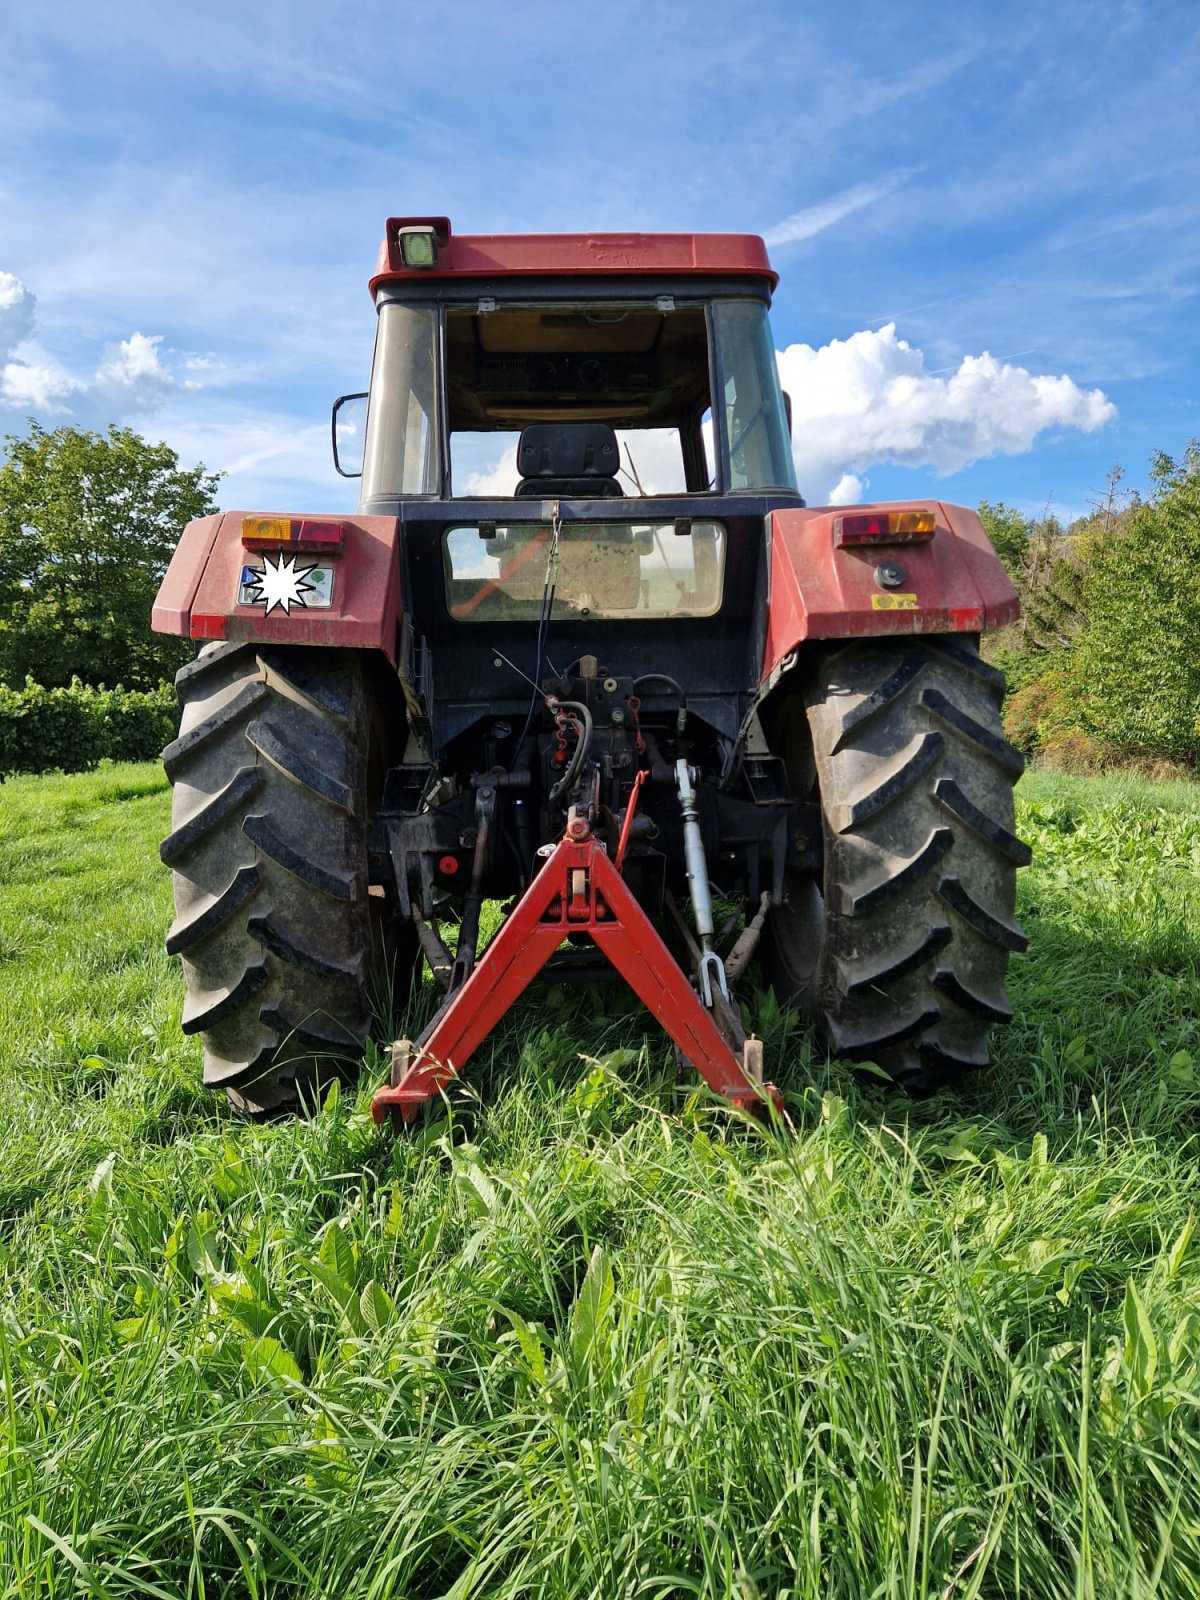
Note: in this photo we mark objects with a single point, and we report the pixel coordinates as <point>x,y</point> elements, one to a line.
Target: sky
<point>984,215</point>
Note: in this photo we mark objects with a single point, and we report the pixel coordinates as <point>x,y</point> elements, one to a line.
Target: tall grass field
<point>584,1333</point>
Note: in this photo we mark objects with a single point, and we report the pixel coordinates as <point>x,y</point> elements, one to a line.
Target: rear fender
<point>199,596</point>
<point>952,584</point>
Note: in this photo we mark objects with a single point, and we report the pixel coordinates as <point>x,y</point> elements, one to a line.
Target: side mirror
<point>348,426</point>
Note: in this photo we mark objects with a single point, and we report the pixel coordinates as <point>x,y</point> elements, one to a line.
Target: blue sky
<point>191,198</point>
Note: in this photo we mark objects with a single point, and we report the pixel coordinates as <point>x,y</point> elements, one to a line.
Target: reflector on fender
<point>297,533</point>
<point>884,527</point>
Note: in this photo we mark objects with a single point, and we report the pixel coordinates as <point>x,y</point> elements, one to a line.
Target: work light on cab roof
<point>583,649</point>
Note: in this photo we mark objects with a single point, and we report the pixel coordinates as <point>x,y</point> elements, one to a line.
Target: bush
<point>1042,711</point>
<point>1046,719</point>
<point>1020,667</point>
<point>73,728</point>
<point>1139,652</point>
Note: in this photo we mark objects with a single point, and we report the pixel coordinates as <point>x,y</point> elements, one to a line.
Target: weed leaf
<point>592,1308</point>
<point>1141,1350</point>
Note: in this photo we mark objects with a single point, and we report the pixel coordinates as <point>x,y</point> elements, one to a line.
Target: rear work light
<point>292,533</point>
<point>418,246</point>
<point>884,527</point>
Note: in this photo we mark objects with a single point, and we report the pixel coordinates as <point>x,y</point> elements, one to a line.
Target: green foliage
<point>1051,587</point>
<point>1020,667</point>
<point>1104,666</point>
<point>73,728</point>
<point>581,1333</point>
<point>88,523</point>
<point>1010,533</point>
<point>1046,566</point>
<point>1040,712</point>
<point>1140,652</point>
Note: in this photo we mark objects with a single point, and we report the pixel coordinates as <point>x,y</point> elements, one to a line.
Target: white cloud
<point>129,380</point>
<point>268,458</point>
<point>16,313</point>
<point>848,490</point>
<point>35,386</point>
<point>497,478</point>
<point>815,219</point>
<point>127,364</point>
<point>867,399</point>
<point>203,371</point>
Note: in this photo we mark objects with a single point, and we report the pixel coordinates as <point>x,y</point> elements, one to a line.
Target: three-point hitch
<point>578,891</point>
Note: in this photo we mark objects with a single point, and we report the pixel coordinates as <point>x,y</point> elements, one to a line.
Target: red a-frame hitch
<point>578,890</point>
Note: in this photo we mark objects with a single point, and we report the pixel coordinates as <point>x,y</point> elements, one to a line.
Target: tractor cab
<point>644,367</point>
<point>586,450</point>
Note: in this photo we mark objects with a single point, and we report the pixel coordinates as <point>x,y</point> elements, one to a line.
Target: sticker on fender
<point>284,583</point>
<point>893,602</point>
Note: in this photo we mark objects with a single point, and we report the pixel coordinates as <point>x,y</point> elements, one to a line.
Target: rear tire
<point>899,953</point>
<point>269,852</point>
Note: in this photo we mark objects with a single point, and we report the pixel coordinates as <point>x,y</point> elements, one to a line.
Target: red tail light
<point>883,527</point>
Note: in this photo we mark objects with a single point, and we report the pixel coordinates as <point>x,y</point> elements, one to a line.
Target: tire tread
<point>914,927</point>
<point>268,847</point>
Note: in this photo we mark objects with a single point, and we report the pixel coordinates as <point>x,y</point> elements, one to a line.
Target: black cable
<point>543,639</point>
<point>662,677</point>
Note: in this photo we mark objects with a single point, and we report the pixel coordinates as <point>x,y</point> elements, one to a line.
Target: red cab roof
<point>486,255</point>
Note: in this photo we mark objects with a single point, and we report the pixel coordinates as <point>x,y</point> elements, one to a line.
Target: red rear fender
<point>202,596</point>
<point>954,583</point>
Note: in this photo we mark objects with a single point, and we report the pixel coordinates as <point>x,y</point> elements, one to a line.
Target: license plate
<point>280,585</point>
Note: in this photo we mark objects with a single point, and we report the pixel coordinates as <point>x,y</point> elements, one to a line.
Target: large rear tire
<point>268,846</point>
<point>899,953</point>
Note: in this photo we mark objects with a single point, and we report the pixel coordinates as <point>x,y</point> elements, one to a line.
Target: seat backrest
<point>564,459</point>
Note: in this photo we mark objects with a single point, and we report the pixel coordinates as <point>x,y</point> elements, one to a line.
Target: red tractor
<point>584,649</point>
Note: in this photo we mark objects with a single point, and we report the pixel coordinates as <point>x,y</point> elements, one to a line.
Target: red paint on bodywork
<point>198,597</point>
<point>173,602</point>
<point>541,255</point>
<point>820,592</point>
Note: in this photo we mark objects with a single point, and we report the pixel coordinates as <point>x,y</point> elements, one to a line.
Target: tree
<point>88,523</point>
<point>1051,586</point>
<point>1010,533</point>
<point>1047,564</point>
<point>1139,653</point>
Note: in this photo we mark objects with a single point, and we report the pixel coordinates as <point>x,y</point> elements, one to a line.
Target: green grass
<point>586,1335</point>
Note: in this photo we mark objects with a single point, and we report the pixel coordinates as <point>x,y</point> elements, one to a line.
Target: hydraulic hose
<point>581,747</point>
<point>661,677</point>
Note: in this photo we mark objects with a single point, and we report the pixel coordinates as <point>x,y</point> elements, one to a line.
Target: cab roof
<point>526,255</point>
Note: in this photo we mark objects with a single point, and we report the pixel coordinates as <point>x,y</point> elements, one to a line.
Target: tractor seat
<point>568,460</point>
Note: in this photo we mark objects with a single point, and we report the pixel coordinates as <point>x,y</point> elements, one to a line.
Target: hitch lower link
<point>579,890</point>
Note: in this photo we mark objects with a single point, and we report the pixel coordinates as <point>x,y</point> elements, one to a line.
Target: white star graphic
<point>282,584</point>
